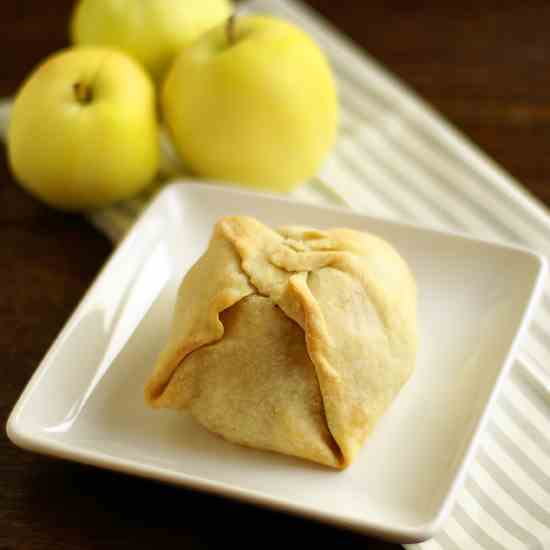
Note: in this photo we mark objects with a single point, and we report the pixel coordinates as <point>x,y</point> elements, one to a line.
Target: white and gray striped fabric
<point>397,158</point>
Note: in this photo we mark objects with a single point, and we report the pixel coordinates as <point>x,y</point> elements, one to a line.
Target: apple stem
<point>82,92</point>
<point>230,29</point>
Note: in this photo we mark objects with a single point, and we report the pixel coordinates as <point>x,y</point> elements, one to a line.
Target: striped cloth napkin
<point>396,158</point>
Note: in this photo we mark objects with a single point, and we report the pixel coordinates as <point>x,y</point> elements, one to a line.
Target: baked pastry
<point>292,340</point>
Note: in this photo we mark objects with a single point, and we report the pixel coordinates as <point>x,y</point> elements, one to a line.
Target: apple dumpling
<point>291,340</point>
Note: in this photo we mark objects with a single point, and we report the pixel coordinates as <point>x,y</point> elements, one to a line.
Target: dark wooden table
<point>485,65</point>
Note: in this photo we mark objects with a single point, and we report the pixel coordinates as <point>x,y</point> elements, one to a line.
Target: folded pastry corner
<point>292,340</point>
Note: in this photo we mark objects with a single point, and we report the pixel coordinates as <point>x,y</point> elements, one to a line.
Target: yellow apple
<point>83,130</point>
<point>253,101</point>
<point>152,31</point>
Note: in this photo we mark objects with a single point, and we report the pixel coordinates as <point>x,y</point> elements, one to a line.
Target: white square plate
<point>85,401</point>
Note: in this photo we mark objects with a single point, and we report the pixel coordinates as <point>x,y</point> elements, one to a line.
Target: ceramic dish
<point>85,401</point>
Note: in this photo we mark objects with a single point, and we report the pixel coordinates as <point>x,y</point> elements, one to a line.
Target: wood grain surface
<point>484,65</point>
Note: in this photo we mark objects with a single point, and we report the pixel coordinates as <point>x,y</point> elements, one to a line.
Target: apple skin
<point>261,111</point>
<point>75,154</point>
<point>152,31</point>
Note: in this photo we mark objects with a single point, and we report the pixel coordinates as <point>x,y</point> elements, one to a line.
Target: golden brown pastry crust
<point>348,295</point>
